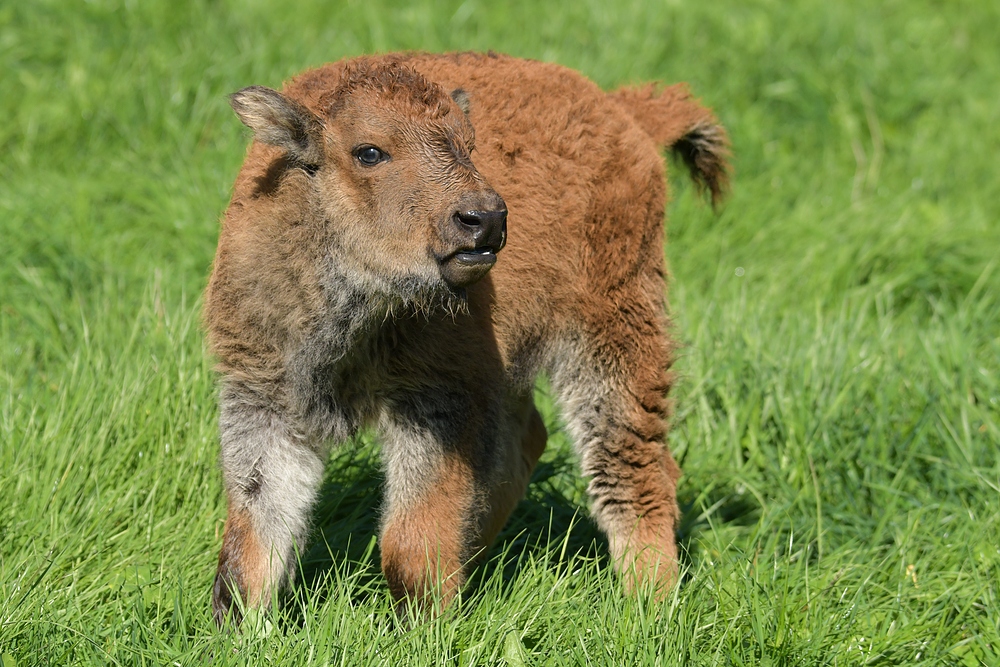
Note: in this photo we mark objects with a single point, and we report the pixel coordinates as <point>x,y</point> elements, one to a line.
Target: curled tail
<point>677,121</point>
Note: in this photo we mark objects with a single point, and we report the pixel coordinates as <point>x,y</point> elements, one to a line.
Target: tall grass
<point>838,405</point>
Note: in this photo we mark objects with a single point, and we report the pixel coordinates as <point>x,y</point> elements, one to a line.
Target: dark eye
<point>369,155</point>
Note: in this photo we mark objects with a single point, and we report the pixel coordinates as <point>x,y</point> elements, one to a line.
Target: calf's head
<point>390,177</point>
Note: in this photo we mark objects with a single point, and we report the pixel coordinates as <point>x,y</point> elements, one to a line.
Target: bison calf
<point>411,240</point>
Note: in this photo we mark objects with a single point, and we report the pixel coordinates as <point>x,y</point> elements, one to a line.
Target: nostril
<point>470,218</point>
<point>479,218</point>
<point>482,229</point>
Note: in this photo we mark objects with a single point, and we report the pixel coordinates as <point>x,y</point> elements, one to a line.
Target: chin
<point>425,295</point>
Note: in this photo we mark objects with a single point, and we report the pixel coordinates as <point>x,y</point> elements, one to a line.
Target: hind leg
<point>613,395</point>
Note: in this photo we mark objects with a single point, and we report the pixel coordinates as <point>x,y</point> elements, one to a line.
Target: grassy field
<point>838,409</point>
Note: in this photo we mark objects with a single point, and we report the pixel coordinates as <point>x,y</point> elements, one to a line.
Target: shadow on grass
<point>346,518</point>
<point>348,513</point>
<point>552,519</point>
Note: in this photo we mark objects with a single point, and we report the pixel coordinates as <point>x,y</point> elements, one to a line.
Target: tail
<point>677,121</point>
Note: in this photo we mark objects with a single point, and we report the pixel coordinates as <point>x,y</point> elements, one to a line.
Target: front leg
<point>271,475</point>
<point>435,500</point>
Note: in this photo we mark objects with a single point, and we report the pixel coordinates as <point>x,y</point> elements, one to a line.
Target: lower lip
<point>476,258</point>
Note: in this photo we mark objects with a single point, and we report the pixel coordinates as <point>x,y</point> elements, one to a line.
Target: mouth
<point>464,267</point>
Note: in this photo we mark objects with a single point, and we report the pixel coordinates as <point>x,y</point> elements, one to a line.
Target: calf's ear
<point>281,122</point>
<point>461,99</point>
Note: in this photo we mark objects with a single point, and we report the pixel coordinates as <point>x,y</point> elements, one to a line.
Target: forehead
<point>389,102</point>
<point>380,88</point>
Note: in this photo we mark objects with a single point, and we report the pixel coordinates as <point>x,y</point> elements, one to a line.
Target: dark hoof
<point>225,609</point>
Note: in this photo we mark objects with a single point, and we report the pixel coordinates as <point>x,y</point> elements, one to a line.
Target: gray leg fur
<point>271,474</point>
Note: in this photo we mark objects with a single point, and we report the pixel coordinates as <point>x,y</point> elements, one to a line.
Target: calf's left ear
<point>281,122</point>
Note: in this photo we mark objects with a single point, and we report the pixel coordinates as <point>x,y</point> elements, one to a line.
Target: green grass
<point>838,406</point>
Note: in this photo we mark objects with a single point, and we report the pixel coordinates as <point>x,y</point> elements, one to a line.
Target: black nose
<point>488,228</point>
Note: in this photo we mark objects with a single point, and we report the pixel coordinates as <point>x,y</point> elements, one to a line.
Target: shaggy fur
<point>337,301</point>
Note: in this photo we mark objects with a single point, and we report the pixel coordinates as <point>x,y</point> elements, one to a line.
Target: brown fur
<point>426,544</point>
<point>336,301</point>
<point>243,565</point>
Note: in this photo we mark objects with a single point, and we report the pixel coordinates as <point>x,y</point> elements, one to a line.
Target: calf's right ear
<point>281,122</point>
